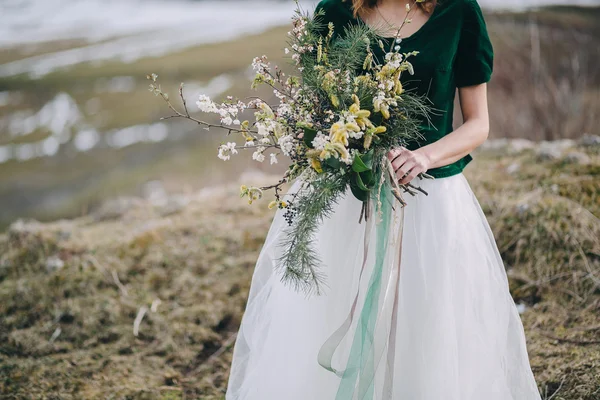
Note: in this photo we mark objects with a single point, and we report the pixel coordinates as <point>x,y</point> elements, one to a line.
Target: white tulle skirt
<point>453,332</point>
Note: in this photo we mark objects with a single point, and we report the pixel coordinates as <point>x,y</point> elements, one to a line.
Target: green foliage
<point>299,261</point>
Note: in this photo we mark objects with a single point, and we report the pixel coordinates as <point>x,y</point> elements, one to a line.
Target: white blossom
<point>205,104</point>
<point>226,150</point>
<point>286,143</point>
<point>320,141</point>
<point>258,154</point>
<point>273,158</point>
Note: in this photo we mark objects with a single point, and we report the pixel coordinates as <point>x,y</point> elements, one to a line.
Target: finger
<point>405,169</point>
<point>400,161</point>
<point>411,175</point>
<point>395,152</point>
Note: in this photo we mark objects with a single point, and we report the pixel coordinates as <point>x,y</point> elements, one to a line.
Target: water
<point>128,30</point>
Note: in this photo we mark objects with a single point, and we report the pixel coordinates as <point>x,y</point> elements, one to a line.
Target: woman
<point>455,333</point>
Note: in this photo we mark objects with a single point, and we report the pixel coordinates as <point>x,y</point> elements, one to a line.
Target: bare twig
<point>567,340</point>
<point>138,320</point>
<point>557,390</point>
<point>215,356</point>
<point>121,287</point>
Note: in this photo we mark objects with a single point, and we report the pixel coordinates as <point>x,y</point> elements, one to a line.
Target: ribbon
<point>375,330</point>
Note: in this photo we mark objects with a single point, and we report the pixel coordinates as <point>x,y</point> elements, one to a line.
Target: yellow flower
<point>379,105</point>
<point>336,150</point>
<point>268,112</point>
<point>277,203</point>
<point>329,84</point>
<point>339,133</point>
<point>398,89</point>
<point>370,133</point>
<point>360,116</point>
<point>316,165</point>
<point>335,101</point>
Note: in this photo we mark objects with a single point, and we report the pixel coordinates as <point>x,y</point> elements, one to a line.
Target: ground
<point>73,292</point>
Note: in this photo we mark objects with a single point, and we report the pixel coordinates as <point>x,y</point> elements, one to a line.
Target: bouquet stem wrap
<point>375,329</point>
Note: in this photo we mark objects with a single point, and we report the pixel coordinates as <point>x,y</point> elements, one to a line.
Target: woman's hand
<point>408,164</point>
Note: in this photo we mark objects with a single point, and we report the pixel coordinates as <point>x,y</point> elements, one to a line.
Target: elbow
<point>483,131</point>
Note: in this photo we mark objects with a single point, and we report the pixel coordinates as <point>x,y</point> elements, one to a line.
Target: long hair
<point>358,5</point>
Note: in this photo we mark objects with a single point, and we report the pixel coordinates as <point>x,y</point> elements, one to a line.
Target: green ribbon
<point>359,373</point>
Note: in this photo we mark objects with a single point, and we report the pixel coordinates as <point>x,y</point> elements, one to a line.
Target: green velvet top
<point>454,51</point>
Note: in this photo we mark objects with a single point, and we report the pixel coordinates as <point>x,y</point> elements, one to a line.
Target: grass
<point>68,332</point>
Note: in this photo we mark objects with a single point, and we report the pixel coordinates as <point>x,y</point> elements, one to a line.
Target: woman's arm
<point>452,147</point>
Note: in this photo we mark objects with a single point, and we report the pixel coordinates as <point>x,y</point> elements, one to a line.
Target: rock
<point>54,263</point>
<point>553,150</point>
<point>577,157</point>
<point>590,140</point>
<point>116,208</point>
<point>522,208</point>
<point>174,204</point>
<point>512,146</point>
<point>545,153</point>
<point>494,144</point>
<point>155,193</point>
<point>521,308</point>
<point>24,227</point>
<point>518,145</point>
<point>513,168</point>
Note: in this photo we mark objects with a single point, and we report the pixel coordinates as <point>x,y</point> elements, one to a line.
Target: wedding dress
<point>451,331</point>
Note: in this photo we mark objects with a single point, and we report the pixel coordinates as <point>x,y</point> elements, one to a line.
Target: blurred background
<point>77,124</point>
<point>138,293</point>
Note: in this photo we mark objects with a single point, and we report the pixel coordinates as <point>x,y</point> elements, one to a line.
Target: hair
<point>358,5</point>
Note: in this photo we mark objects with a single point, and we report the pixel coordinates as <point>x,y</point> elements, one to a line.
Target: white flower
<point>258,154</point>
<point>273,158</point>
<point>205,104</point>
<point>236,121</point>
<point>286,50</point>
<point>262,128</point>
<point>355,135</point>
<point>286,143</point>
<point>320,141</point>
<point>249,143</point>
<point>227,120</point>
<point>225,151</point>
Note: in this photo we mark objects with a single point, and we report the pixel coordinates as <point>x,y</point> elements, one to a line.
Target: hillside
<point>142,299</point>
<point>546,85</point>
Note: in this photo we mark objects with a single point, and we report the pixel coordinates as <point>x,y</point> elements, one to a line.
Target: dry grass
<point>68,332</point>
<point>546,83</point>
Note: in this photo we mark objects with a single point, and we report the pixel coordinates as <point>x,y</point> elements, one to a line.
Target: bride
<point>451,330</point>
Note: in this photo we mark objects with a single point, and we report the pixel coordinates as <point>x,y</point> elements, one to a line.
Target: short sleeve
<point>475,55</point>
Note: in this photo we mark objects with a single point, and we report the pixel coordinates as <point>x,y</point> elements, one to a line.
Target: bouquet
<point>335,120</point>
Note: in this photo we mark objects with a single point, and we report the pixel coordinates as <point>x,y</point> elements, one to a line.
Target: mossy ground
<point>67,332</point>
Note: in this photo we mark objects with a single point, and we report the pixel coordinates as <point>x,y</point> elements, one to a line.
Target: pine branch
<point>300,262</point>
